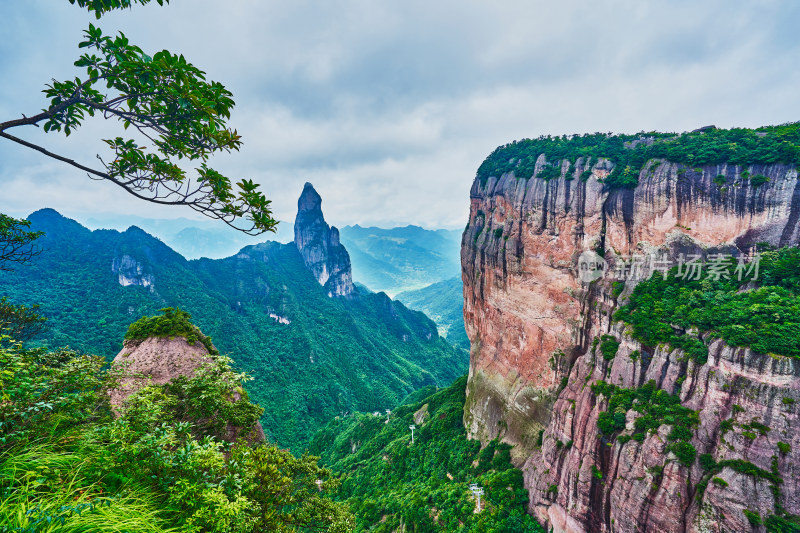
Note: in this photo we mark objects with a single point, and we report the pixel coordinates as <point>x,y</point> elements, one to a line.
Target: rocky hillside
<point>313,352</point>
<point>540,380</point>
<point>168,351</point>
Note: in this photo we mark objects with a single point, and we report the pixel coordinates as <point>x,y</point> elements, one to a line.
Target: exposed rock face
<point>131,272</point>
<point>319,245</point>
<point>155,360</point>
<point>531,321</point>
<point>158,361</point>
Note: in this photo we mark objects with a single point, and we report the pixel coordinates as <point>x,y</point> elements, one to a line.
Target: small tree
<point>19,322</point>
<point>171,106</point>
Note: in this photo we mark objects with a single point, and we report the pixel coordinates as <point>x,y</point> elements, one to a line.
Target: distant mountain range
<point>422,264</point>
<point>313,355</point>
<point>193,239</point>
<point>389,260</point>
<point>401,259</point>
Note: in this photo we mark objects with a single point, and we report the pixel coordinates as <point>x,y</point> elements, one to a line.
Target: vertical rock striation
<point>319,245</point>
<point>531,322</point>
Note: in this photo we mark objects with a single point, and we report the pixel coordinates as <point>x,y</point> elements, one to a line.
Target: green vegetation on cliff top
<point>629,153</point>
<point>171,323</point>
<point>391,483</point>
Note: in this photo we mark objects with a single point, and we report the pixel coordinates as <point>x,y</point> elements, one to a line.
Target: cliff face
<point>319,245</point>
<point>531,321</point>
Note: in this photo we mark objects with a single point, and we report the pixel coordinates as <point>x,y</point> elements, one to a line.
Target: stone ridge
<point>531,322</point>
<point>319,245</point>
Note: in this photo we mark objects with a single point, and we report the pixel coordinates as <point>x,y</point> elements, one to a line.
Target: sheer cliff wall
<point>531,322</point>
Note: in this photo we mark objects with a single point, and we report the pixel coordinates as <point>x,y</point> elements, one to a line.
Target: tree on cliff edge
<point>172,109</point>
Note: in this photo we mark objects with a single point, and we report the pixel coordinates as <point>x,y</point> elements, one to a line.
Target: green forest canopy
<point>630,152</point>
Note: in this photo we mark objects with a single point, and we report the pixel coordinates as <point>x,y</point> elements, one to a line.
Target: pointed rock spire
<point>319,245</point>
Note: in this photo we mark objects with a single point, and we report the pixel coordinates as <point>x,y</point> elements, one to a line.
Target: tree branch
<point>55,156</point>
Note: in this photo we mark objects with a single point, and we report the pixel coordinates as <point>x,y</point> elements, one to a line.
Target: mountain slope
<point>443,302</point>
<point>394,485</point>
<point>312,356</point>
<point>400,259</point>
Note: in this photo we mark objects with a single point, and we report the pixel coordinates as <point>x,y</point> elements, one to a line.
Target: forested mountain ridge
<point>312,356</point>
<point>443,302</point>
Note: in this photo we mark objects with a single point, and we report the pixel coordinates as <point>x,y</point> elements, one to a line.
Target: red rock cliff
<point>531,321</point>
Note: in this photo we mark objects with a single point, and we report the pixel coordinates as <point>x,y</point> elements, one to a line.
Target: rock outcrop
<point>319,245</point>
<point>131,272</point>
<point>159,360</point>
<point>531,321</point>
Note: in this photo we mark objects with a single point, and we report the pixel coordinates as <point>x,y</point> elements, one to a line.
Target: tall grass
<point>46,488</point>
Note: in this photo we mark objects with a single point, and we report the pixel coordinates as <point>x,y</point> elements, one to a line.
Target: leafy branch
<point>16,242</point>
<point>169,102</point>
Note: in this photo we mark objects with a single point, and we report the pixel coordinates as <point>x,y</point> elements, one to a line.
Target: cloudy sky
<point>389,107</point>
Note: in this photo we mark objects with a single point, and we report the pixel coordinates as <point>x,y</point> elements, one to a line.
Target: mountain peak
<point>51,221</point>
<point>319,245</point>
<point>309,200</point>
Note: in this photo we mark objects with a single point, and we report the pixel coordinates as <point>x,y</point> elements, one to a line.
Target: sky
<point>388,108</point>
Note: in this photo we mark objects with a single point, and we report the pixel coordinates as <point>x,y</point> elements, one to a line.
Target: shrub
<point>680,433</point>
<point>752,517</point>
<point>684,451</point>
<point>782,524</point>
<point>707,462</point>
<point>655,406</point>
<point>172,323</point>
<point>616,289</point>
<point>74,467</point>
<point>762,318</point>
<point>609,346</point>
<point>719,482</point>
<point>784,447</point>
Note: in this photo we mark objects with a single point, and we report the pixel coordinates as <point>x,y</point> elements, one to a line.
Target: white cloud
<point>389,108</point>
